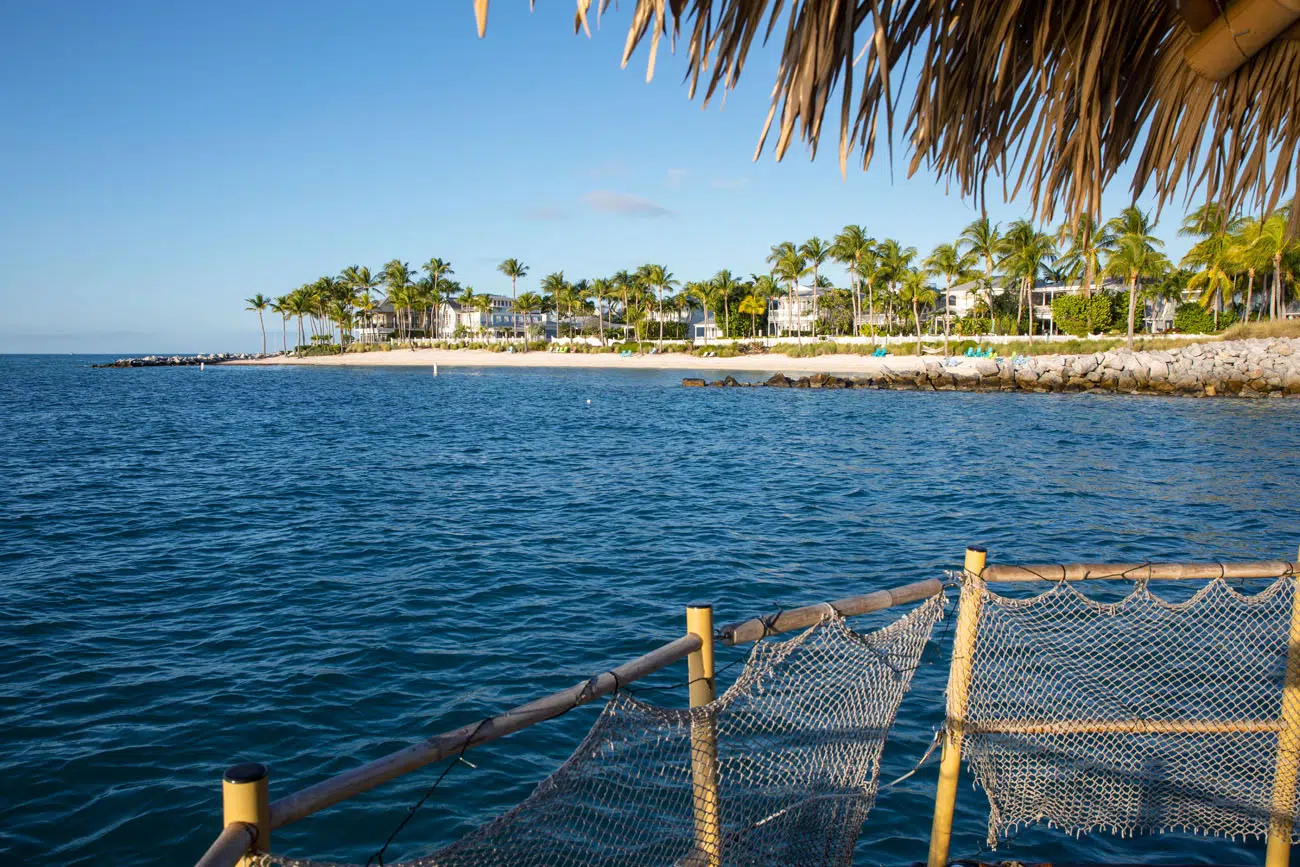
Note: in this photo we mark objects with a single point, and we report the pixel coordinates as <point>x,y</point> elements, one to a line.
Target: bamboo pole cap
<point>245,772</point>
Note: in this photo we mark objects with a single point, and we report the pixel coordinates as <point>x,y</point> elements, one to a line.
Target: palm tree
<point>435,270</point>
<point>281,305</point>
<point>1269,245</point>
<point>947,261</point>
<point>788,266</point>
<point>553,284</point>
<point>914,290</point>
<point>360,280</point>
<point>849,248</point>
<point>259,302</point>
<point>396,275</point>
<point>483,304</point>
<point>658,278</point>
<point>753,305</point>
<point>1026,251</point>
<point>982,240</point>
<point>299,306</point>
<point>528,302</point>
<point>895,263</point>
<point>515,270</point>
<point>703,292</point>
<point>726,286</point>
<point>816,251</point>
<point>1087,243</point>
<point>1250,252</point>
<point>601,288</point>
<point>1134,255</point>
<point>1212,253</point>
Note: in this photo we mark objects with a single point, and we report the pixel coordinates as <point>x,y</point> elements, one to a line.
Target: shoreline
<point>767,363</point>
<point>1247,368</point>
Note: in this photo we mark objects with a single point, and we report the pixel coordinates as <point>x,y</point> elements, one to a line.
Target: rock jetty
<point>179,360</point>
<point>1240,368</point>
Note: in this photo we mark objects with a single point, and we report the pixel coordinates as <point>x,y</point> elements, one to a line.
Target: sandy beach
<point>844,365</point>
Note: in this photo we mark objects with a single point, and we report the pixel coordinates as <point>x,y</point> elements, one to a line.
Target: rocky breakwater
<point>1241,368</point>
<point>179,360</point>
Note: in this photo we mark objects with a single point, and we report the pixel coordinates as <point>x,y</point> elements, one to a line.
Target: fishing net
<point>798,741</point>
<point>1137,716</point>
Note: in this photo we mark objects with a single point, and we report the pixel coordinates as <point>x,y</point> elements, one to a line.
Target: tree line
<point>1237,267</point>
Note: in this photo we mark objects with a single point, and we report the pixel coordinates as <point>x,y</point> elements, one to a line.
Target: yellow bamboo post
<point>245,799</point>
<point>963,655</point>
<point>704,741</point>
<point>1288,750</point>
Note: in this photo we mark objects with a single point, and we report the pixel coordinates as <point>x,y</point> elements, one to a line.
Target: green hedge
<point>1080,316</point>
<point>1192,318</point>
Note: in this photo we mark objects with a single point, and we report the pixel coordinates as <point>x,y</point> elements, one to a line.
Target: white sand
<point>848,365</point>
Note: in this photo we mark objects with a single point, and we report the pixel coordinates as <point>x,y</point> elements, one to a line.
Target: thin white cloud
<point>546,214</point>
<point>623,204</point>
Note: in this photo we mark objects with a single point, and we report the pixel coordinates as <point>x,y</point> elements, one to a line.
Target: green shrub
<point>1079,316</point>
<point>1192,318</point>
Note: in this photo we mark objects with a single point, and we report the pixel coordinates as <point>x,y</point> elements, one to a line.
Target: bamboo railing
<point>248,826</point>
<point>250,817</point>
<point>966,638</point>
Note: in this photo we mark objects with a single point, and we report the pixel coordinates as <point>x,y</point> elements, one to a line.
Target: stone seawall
<point>179,360</point>
<point>1241,368</point>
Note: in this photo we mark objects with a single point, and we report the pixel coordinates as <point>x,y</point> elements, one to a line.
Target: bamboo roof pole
<point>1237,35</point>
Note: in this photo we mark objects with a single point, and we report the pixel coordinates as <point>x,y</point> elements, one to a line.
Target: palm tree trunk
<point>1132,307</point>
<point>263,324</point>
<point>1250,291</point>
<point>661,316</point>
<point>1279,306</point>
<point>284,334</point>
<point>1029,297</point>
<point>1020,302</point>
<point>947,316</point>
<point>871,315</point>
<point>916,317</point>
<point>726,316</point>
<point>813,328</point>
<point>796,305</point>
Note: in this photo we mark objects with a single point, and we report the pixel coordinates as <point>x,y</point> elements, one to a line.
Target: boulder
<point>691,382</point>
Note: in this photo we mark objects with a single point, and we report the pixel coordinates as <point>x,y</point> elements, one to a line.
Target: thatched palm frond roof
<point>1050,96</point>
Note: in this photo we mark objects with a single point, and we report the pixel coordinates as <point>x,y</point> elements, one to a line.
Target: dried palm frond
<point>1051,96</point>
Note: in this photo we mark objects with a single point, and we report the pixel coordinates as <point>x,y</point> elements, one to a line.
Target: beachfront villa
<point>964,298</point>
<point>499,320</point>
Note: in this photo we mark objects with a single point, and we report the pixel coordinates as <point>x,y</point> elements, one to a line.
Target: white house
<point>787,315</point>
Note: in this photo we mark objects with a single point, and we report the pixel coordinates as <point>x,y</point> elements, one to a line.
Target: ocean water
<point>313,567</point>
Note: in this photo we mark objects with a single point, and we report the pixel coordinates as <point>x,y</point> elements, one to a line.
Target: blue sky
<point>162,161</point>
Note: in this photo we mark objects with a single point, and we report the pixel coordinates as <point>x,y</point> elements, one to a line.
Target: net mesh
<point>1191,692</point>
<point>798,741</point>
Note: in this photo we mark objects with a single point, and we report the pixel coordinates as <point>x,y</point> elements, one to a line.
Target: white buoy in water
<point>588,401</point>
<point>435,370</point>
<point>201,367</point>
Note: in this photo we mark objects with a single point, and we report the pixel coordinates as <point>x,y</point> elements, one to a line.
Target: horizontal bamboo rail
<point>229,847</point>
<point>1139,571</point>
<point>349,783</point>
<point>801,618</point>
<point>1123,726</point>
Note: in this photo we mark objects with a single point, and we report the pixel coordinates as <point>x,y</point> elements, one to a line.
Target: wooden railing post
<point>963,656</point>
<point>704,741</point>
<point>1288,749</point>
<point>245,799</point>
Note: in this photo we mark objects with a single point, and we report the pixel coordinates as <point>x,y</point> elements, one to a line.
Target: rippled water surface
<point>312,567</point>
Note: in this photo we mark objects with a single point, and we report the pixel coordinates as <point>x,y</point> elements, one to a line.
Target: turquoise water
<point>312,567</point>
